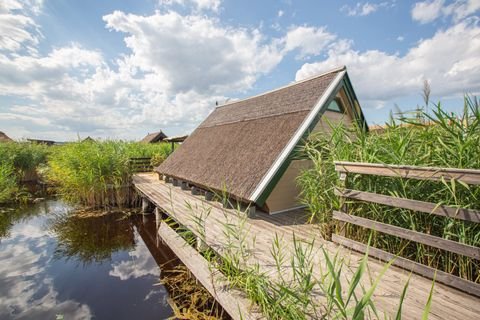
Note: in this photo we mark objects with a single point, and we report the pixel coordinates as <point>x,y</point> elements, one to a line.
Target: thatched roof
<point>4,137</point>
<point>176,138</point>
<point>154,137</point>
<point>239,144</point>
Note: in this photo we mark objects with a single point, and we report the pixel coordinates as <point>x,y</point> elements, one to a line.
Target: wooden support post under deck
<point>209,196</point>
<point>147,207</point>
<point>158,216</point>
<point>175,182</point>
<point>184,185</point>
<point>196,191</point>
<point>251,210</point>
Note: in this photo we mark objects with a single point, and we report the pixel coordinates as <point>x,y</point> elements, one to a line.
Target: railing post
<point>343,204</point>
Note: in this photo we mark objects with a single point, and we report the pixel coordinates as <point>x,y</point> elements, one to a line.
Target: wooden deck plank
<point>447,303</point>
<point>233,301</point>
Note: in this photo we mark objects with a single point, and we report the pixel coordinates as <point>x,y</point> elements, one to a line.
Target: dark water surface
<point>58,265</point>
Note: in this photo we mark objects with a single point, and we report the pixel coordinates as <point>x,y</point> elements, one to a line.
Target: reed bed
<point>436,138</point>
<point>16,161</point>
<point>98,174</point>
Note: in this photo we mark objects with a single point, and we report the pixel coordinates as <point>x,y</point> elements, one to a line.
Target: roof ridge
<point>338,69</point>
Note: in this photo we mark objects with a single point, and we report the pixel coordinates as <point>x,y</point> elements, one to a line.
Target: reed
<point>436,138</point>
<point>296,296</point>
<point>17,161</point>
<point>98,173</point>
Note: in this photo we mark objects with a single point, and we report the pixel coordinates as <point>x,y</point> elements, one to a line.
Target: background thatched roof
<point>236,145</point>
<point>154,137</point>
<point>4,137</point>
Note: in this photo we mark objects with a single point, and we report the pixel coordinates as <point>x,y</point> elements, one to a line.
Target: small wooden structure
<point>154,137</point>
<point>467,176</point>
<point>175,139</point>
<point>4,137</point>
<point>247,149</point>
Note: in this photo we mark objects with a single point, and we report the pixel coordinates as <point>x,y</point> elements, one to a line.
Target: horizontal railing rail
<point>143,164</point>
<point>466,176</point>
<point>469,176</point>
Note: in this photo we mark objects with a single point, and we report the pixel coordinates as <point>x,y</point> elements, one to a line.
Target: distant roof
<point>242,144</point>
<point>154,137</point>
<point>41,141</point>
<point>4,137</point>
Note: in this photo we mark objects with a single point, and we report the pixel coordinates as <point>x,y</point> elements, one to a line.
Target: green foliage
<point>16,161</point>
<point>8,182</point>
<point>23,156</point>
<point>436,139</point>
<point>98,174</point>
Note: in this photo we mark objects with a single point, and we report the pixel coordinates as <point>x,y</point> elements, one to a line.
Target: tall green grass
<point>436,138</point>
<point>98,173</point>
<point>329,289</point>
<point>16,161</point>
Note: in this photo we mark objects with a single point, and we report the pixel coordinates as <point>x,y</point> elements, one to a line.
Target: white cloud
<point>177,68</point>
<point>400,38</point>
<point>195,52</point>
<point>213,5</point>
<point>449,60</point>
<point>308,40</point>
<point>17,29</point>
<point>430,10</point>
<point>280,13</point>
<point>362,9</point>
<point>427,11</point>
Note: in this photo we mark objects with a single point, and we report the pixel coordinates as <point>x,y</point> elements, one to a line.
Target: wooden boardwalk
<point>448,303</point>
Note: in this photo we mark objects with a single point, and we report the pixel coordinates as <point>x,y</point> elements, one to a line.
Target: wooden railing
<point>466,176</point>
<point>141,164</point>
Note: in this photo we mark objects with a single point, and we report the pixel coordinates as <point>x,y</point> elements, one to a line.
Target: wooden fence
<point>141,165</point>
<point>466,176</point>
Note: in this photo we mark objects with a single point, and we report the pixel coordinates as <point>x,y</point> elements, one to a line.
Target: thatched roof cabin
<point>4,137</point>
<point>246,147</point>
<point>154,137</point>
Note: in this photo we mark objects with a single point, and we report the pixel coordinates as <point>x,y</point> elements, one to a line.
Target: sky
<point>121,69</point>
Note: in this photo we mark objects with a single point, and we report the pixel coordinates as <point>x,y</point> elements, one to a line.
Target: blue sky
<point>120,69</point>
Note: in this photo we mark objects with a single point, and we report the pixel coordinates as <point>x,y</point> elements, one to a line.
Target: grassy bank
<point>437,139</point>
<point>98,174</point>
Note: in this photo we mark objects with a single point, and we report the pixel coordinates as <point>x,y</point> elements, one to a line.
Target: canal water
<point>59,265</point>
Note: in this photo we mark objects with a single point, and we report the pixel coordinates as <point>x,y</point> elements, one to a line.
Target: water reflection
<point>91,238</point>
<point>54,263</point>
